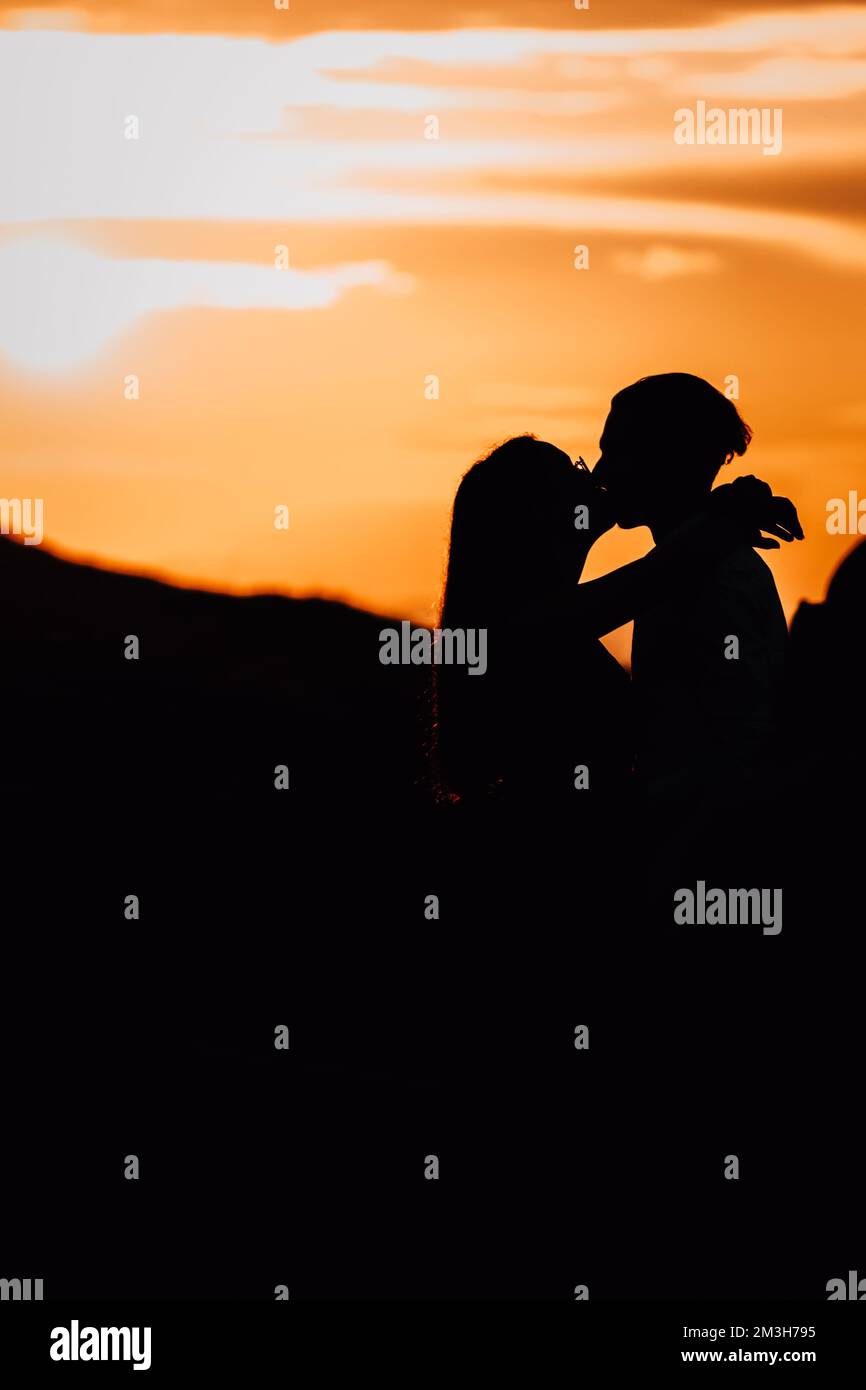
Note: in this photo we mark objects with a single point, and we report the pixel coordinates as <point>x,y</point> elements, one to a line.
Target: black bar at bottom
<point>207,1340</point>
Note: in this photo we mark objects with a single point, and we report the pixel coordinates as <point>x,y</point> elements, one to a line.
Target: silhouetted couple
<point>555,717</point>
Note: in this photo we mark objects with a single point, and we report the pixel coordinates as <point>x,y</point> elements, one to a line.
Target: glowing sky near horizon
<point>408,257</point>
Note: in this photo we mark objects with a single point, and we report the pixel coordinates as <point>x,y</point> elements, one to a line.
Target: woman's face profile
<point>593,511</point>
<point>575,513</point>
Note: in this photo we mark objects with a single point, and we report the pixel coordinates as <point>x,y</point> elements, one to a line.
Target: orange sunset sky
<point>410,257</point>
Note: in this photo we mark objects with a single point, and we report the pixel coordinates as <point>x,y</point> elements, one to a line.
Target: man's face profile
<point>625,467</point>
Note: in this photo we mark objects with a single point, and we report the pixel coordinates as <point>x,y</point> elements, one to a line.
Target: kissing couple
<point>555,717</point>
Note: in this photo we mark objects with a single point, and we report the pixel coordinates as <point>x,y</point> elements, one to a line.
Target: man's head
<point>663,443</point>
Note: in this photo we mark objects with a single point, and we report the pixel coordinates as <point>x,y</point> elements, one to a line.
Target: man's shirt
<point>707,722</point>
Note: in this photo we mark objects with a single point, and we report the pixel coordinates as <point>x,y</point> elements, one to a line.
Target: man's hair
<point>685,411</point>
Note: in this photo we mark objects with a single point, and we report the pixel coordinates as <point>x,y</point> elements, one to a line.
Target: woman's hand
<point>751,503</point>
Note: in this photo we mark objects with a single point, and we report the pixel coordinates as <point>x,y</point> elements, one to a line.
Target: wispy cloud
<point>777,79</point>
<point>666,262</point>
<point>237,128</point>
<point>239,16</point>
<point>62,304</point>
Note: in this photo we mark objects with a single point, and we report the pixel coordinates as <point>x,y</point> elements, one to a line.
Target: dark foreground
<point>410,1036</point>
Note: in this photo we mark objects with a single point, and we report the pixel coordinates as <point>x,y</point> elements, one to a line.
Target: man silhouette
<point>707,665</point>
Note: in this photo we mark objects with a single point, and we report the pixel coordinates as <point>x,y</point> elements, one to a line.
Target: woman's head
<point>516,532</point>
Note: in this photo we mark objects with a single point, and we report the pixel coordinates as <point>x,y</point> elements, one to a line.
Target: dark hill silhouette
<point>410,1035</point>
<point>225,689</point>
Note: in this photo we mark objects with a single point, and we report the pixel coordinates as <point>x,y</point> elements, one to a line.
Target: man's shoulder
<point>744,569</point>
<point>747,563</point>
<point>739,591</point>
<point>744,583</point>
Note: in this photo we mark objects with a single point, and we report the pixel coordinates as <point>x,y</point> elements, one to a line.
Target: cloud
<point>666,262</point>
<point>62,303</point>
<point>49,17</point>
<point>664,17</point>
<point>241,130</point>
<point>777,79</point>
